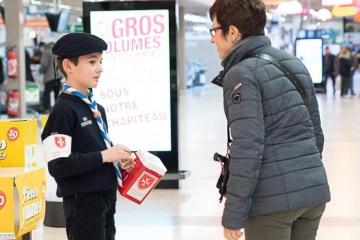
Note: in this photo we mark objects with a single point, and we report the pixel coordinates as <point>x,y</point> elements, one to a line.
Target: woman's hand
<point>230,234</point>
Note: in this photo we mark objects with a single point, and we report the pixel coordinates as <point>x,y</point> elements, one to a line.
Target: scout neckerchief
<point>90,101</point>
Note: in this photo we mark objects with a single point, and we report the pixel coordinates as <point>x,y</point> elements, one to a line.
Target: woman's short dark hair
<point>74,60</point>
<point>249,16</point>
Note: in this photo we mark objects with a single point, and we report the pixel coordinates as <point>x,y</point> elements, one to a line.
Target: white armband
<point>57,146</point>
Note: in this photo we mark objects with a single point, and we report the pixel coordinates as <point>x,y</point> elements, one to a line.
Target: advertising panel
<point>134,86</point>
<point>138,86</point>
<point>309,51</point>
<point>18,143</point>
<point>22,200</point>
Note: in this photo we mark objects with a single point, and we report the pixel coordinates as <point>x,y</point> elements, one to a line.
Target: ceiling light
<point>324,14</point>
<point>200,29</point>
<point>35,2</point>
<point>273,2</point>
<point>335,2</point>
<point>289,8</point>
<point>282,19</point>
<point>313,13</point>
<point>195,18</point>
<point>346,11</point>
<point>63,6</point>
<point>269,16</point>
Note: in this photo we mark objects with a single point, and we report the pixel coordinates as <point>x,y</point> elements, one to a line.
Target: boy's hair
<point>74,60</point>
<point>249,16</point>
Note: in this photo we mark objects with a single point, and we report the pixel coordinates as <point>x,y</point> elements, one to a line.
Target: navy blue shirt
<point>83,169</point>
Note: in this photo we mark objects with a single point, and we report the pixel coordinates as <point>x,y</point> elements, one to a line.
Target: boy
<point>79,152</point>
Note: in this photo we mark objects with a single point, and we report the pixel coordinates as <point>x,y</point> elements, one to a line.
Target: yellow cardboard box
<point>44,119</point>
<point>18,143</point>
<point>22,200</point>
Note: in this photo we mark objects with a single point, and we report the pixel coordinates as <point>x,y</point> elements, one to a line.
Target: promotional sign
<point>22,200</point>
<point>7,208</point>
<point>134,86</point>
<point>18,143</point>
<point>138,85</point>
<point>309,51</point>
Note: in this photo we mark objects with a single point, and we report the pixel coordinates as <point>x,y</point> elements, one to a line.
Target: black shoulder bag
<point>225,160</point>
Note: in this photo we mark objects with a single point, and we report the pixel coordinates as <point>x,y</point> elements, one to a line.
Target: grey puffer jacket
<point>277,141</point>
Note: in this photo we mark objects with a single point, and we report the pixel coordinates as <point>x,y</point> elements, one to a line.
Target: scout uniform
<point>73,139</point>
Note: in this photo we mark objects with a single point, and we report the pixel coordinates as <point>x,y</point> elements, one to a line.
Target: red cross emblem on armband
<point>146,181</point>
<point>60,142</point>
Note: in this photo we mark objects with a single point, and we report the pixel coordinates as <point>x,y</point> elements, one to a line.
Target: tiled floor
<point>193,212</point>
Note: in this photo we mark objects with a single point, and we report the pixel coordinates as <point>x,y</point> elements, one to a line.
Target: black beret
<point>78,44</point>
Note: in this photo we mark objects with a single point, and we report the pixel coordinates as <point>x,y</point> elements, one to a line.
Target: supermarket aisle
<point>193,213</point>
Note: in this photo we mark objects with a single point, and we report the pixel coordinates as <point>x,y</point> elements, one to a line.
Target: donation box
<point>22,200</point>
<point>18,143</point>
<point>148,172</point>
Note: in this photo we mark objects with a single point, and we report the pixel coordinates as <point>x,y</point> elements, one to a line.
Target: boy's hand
<point>129,166</point>
<point>117,153</point>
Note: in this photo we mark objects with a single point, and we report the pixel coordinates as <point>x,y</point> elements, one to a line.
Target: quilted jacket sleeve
<point>243,107</point>
<point>315,118</point>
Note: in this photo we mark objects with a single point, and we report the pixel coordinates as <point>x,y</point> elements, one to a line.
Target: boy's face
<point>87,72</point>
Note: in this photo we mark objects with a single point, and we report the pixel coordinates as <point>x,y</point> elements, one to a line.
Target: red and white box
<point>148,172</point>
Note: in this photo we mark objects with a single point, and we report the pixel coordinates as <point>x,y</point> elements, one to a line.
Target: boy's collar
<point>69,85</point>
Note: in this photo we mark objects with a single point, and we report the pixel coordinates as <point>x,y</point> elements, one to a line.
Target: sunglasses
<point>213,31</point>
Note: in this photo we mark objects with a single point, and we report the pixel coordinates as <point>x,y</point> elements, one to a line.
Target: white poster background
<point>134,87</point>
<point>309,51</point>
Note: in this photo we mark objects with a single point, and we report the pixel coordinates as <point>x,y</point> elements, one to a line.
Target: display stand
<point>22,201</point>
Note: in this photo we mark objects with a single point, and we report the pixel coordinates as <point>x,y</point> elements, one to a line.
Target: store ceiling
<point>191,6</point>
<point>205,4</point>
<point>199,7</point>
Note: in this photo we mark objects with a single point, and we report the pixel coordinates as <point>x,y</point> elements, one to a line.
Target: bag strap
<point>218,80</point>
<point>289,75</point>
<point>293,79</point>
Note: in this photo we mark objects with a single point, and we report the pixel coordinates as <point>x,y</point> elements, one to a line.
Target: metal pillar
<point>14,37</point>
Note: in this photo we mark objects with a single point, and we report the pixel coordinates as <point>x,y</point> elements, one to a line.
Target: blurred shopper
<point>2,72</point>
<point>28,73</point>
<point>277,186</point>
<point>356,75</point>
<point>329,68</point>
<point>51,76</point>
<point>79,152</point>
<point>345,70</point>
<point>38,50</point>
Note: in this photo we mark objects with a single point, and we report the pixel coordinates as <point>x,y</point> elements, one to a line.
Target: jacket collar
<point>239,52</point>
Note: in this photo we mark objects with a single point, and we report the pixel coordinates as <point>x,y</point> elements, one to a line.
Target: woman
<point>277,187</point>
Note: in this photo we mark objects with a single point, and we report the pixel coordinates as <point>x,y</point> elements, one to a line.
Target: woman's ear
<point>234,33</point>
